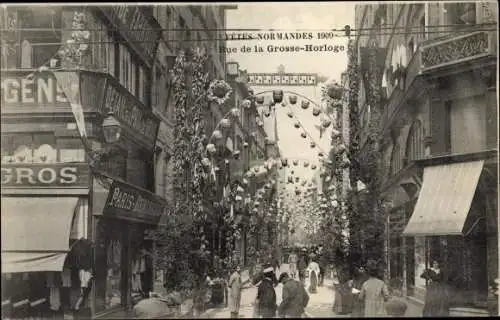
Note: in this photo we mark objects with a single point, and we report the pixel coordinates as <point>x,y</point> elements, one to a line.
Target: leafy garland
<point>182,242</point>
<point>75,48</point>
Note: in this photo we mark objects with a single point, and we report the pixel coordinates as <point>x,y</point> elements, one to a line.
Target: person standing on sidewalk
<point>292,261</point>
<point>302,268</point>
<point>374,292</point>
<point>295,298</point>
<point>234,285</point>
<point>266,295</point>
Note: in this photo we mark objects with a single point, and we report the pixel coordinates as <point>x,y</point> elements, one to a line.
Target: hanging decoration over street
<point>219,91</point>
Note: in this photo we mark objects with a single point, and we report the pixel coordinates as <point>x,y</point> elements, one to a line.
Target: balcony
<point>455,51</point>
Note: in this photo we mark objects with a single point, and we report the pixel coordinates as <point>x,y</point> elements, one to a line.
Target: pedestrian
<point>302,266</point>
<point>314,273</point>
<point>436,299</point>
<point>266,296</point>
<point>374,292</point>
<point>360,276</point>
<point>295,298</point>
<point>292,262</point>
<point>234,285</point>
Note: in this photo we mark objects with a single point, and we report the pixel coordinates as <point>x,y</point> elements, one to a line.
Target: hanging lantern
<point>313,145</point>
<point>290,179</point>
<point>313,167</point>
<point>297,179</point>
<point>321,154</point>
<point>211,148</point>
<point>283,104</point>
<point>235,112</point>
<point>334,91</point>
<point>316,111</point>
<point>240,189</point>
<point>216,169</point>
<point>306,164</point>
<point>335,203</point>
<point>253,134</point>
<point>278,96</point>
<point>205,162</point>
<point>304,104</point>
<point>290,114</point>
<point>238,198</point>
<point>295,162</point>
<point>284,162</point>
<point>303,183</point>
<point>326,123</point>
<point>217,135</point>
<point>255,210</point>
<point>236,154</point>
<point>292,99</point>
<point>244,181</point>
<point>303,135</point>
<point>256,169</point>
<point>259,99</point>
<point>336,104</point>
<point>331,187</point>
<point>297,192</point>
<point>260,123</point>
<point>225,123</point>
<point>245,144</point>
<point>296,125</point>
<point>267,114</point>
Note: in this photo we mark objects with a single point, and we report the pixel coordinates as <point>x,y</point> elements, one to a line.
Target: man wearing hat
<point>266,296</point>
<point>295,298</point>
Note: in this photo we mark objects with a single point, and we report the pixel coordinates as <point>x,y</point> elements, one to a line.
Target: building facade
<point>438,126</point>
<point>57,88</point>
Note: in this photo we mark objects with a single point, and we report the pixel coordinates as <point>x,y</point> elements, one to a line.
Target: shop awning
<point>445,199</point>
<point>35,232</point>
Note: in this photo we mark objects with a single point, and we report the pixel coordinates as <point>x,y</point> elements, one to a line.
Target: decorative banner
<point>69,82</point>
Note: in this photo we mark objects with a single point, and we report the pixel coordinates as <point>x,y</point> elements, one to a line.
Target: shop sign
<point>39,90</point>
<point>44,175</point>
<point>127,202</point>
<point>136,26</point>
<point>131,113</point>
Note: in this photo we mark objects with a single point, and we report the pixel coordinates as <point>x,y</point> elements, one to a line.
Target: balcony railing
<point>455,49</point>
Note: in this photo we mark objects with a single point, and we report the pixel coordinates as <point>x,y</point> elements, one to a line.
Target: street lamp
<point>111,128</point>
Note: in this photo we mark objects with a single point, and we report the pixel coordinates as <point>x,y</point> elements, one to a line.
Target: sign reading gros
<point>34,175</point>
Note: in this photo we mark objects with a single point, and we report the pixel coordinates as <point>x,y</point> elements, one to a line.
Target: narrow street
<point>320,304</point>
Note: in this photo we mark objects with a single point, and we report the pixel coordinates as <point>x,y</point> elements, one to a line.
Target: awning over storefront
<point>445,199</point>
<point>35,232</point>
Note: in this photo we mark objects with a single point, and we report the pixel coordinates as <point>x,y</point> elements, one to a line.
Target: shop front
<point>455,223</point>
<point>45,254</point>
<point>123,263</point>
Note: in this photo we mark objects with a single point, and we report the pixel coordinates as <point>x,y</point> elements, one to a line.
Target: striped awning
<point>444,200</point>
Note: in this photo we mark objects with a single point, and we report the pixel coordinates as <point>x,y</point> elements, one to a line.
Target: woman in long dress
<point>436,299</point>
<point>374,292</point>
<point>234,285</point>
<point>313,269</point>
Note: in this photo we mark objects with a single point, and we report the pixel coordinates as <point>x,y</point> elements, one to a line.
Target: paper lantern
<point>246,104</point>
<point>284,162</point>
<point>306,164</point>
<point>321,154</point>
<point>335,133</point>
<point>292,99</point>
<point>297,179</point>
<point>303,135</point>
<point>238,198</point>
<point>235,112</point>
<point>245,144</point>
<point>225,123</point>
<point>256,169</point>
<point>211,148</point>
<point>295,162</point>
<point>259,99</point>
<point>290,179</point>
<point>304,104</point>
<point>341,149</point>
<point>216,169</point>
<point>283,104</point>
<point>313,145</point>
<point>260,124</point>
<point>267,114</point>
<point>278,96</point>
<point>296,125</point>
<point>236,154</point>
<point>289,114</point>
<point>334,91</point>
<point>313,167</point>
<point>316,111</point>
<point>346,163</point>
<point>205,162</point>
<point>217,135</point>
<point>244,181</point>
<point>326,123</point>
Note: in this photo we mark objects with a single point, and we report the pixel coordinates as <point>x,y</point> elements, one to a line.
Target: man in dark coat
<point>266,296</point>
<point>295,298</point>
<point>302,266</point>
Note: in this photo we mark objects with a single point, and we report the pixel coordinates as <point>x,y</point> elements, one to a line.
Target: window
<point>415,145</point>
<point>133,75</point>
<point>143,81</point>
<point>39,147</point>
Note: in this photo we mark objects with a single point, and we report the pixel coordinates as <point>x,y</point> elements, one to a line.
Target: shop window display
<point>110,266</point>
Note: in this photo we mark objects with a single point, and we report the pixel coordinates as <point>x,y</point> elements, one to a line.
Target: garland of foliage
<point>182,252</point>
<point>367,217</point>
